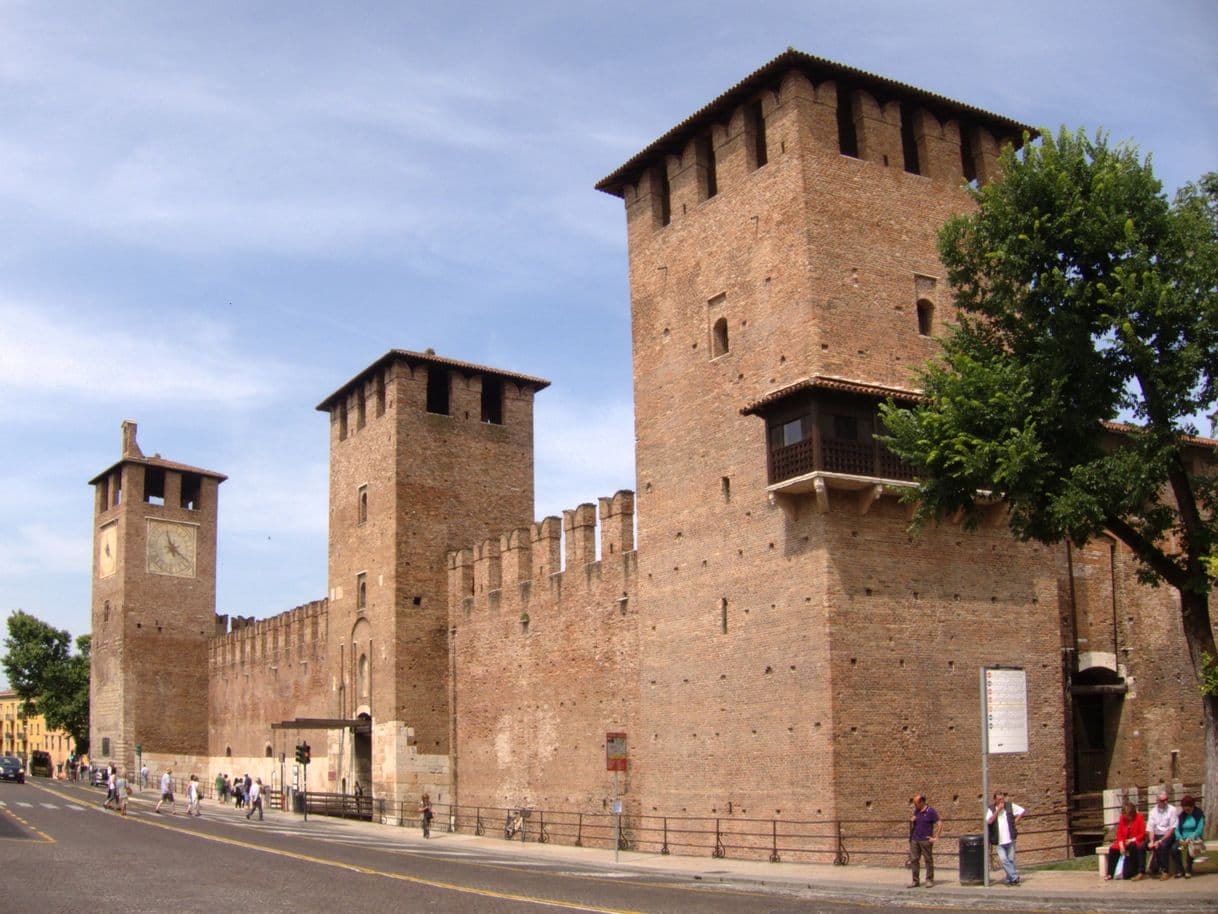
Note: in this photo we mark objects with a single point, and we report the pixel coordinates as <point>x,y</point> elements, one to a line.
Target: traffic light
<point>307,753</point>
<point>300,756</point>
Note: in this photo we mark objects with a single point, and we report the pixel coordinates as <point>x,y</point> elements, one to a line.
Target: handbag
<point>1196,848</point>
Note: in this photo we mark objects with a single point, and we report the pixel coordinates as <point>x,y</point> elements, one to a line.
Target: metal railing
<point>1043,837</point>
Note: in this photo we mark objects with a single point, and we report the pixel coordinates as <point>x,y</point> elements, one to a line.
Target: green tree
<point>46,676</point>
<point>1084,296</point>
<point>64,698</point>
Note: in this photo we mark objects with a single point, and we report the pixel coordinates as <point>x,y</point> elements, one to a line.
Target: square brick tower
<point>427,455</point>
<point>784,280</point>
<point>154,604</point>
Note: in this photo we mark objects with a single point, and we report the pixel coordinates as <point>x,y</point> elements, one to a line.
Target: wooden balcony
<point>867,460</point>
<point>817,464</point>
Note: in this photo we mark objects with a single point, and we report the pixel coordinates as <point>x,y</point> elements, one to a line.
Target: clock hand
<point>173,549</point>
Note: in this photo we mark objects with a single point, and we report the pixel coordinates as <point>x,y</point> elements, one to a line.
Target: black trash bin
<point>972,852</point>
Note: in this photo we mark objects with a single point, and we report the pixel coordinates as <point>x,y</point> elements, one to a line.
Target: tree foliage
<point>1084,298</point>
<point>47,677</point>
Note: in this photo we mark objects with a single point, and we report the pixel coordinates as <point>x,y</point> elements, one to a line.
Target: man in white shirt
<point>167,792</point>
<point>255,798</point>
<point>1001,819</point>
<point>1161,827</point>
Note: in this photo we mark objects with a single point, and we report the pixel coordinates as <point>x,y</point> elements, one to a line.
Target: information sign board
<point>1006,711</point>
<point>615,751</point>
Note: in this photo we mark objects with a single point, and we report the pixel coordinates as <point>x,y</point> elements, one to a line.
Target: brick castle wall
<point>264,672</point>
<point>545,661</point>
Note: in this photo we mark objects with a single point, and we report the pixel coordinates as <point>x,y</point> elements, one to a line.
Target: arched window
<point>363,676</point>
<point>926,317</point>
<point>269,751</point>
<point>719,341</point>
<point>228,751</point>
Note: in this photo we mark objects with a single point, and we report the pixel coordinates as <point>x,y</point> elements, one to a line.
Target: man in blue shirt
<point>924,828</point>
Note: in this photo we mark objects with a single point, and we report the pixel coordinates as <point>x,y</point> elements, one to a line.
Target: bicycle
<point>513,823</point>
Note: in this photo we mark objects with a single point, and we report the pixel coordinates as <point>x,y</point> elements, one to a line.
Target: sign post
<point>615,761</point>
<point>1004,729</point>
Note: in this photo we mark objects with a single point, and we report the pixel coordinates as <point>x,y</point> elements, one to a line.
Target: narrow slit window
<point>706,158</point>
<point>665,194</point>
<point>379,385</point>
<point>755,117</point>
<point>362,505</point>
<point>492,401</point>
<point>847,136</point>
<point>719,340</point>
<point>154,486</point>
<point>342,421</point>
<point>361,407</point>
<point>967,164</point>
<point>437,391</point>
<point>909,144</point>
<point>926,317</point>
<point>192,490</point>
<point>361,594</point>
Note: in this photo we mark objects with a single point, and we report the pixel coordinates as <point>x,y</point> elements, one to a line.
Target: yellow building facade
<point>22,736</point>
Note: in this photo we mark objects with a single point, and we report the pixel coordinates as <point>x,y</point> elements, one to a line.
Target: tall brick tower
<point>784,280</point>
<point>427,455</point>
<point>154,602</point>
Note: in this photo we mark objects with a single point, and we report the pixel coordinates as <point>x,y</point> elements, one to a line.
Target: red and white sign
<point>615,751</point>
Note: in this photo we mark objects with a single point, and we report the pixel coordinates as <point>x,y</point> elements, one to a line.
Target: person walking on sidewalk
<point>425,814</point>
<point>1000,819</point>
<point>925,826</point>
<point>254,800</point>
<point>193,791</point>
<point>123,789</point>
<point>167,792</point>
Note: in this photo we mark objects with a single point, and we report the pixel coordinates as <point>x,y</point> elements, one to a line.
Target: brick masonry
<point>772,651</point>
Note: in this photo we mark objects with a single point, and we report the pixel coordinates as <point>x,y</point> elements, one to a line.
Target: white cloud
<point>28,550</point>
<point>583,451</point>
<point>47,350</point>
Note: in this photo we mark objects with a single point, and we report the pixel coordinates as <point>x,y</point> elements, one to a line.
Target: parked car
<point>99,776</point>
<point>11,769</point>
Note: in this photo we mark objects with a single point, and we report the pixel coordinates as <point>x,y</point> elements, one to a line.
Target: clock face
<point>171,548</point>
<point>107,551</point>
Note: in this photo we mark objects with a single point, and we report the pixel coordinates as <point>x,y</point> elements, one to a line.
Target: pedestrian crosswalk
<point>23,804</point>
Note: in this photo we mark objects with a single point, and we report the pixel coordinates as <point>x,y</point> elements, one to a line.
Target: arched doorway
<point>361,744</point>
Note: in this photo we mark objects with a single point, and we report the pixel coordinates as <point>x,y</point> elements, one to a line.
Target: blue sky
<point>212,215</point>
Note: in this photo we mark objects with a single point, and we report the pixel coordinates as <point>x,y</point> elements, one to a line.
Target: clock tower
<point>154,602</point>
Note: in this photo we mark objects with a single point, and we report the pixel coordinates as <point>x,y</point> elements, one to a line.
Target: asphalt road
<point>59,852</point>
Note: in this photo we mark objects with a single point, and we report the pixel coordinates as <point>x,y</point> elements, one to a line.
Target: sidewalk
<point>1041,890</point>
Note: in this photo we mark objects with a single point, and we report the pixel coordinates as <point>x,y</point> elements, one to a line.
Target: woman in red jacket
<point>1130,842</point>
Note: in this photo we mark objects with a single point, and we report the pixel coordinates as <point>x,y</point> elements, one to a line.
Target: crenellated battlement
<point>547,557</point>
<point>798,102</point>
<point>297,634</point>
